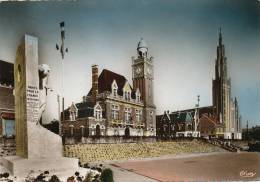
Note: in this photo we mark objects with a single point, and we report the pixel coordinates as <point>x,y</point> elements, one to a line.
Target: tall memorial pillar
<point>26,93</point>
<point>36,147</point>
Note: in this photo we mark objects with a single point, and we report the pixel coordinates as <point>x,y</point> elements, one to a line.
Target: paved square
<point>222,166</point>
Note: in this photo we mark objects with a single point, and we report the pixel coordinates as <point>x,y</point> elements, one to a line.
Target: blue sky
<point>181,35</point>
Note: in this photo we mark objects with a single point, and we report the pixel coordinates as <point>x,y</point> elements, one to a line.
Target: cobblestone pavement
<point>242,166</point>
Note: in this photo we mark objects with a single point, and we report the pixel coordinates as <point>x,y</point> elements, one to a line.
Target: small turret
<point>142,49</point>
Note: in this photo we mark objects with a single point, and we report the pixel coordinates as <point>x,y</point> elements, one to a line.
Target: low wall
<point>106,140</point>
<point>102,152</point>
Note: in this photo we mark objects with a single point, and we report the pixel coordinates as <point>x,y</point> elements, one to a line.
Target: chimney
<point>94,82</point>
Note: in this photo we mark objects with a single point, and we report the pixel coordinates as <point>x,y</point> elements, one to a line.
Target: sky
<point>181,35</point>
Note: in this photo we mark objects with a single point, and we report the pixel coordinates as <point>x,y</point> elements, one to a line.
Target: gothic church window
<point>73,110</point>
<point>98,112</point>
<point>72,116</point>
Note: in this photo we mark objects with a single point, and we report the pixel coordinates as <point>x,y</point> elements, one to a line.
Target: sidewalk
<point>122,175</point>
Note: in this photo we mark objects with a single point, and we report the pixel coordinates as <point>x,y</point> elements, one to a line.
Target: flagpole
<point>62,51</point>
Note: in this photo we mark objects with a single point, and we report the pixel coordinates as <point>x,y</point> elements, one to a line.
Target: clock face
<point>149,71</point>
<point>138,70</point>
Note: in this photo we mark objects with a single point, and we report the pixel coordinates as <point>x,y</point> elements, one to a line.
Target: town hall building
<point>114,106</point>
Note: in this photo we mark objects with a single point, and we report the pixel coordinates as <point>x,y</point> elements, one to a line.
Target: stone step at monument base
<point>19,166</point>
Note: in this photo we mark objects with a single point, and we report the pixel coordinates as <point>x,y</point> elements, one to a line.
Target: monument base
<point>19,166</point>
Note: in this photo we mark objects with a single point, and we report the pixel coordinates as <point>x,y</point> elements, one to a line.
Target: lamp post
<point>197,113</point>
<point>62,52</point>
<point>247,138</point>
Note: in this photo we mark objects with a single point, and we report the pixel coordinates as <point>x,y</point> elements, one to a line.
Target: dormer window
<point>127,91</point>
<point>114,88</point>
<point>127,95</point>
<point>114,92</point>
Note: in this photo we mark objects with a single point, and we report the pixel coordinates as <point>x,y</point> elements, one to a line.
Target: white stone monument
<point>36,147</point>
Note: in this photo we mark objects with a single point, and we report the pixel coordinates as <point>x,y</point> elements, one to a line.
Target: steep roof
<point>6,73</point>
<point>202,110</point>
<point>182,116</point>
<point>85,109</point>
<point>188,114</point>
<point>106,79</point>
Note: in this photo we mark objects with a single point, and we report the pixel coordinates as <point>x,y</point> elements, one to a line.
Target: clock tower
<point>142,70</point>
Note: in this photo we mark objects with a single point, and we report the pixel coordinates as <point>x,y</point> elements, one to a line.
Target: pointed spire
<point>220,37</point>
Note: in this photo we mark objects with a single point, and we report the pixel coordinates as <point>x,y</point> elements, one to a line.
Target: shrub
<point>54,178</point>
<point>89,177</point>
<point>107,175</point>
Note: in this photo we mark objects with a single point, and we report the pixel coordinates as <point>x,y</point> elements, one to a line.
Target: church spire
<point>220,37</point>
<point>221,47</point>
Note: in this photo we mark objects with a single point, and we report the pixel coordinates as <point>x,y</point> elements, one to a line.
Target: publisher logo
<point>247,174</point>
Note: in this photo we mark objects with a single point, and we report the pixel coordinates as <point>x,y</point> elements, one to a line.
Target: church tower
<point>142,71</point>
<point>222,87</point>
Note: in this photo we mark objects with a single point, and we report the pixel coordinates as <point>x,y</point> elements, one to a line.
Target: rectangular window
<point>115,112</point>
<point>138,115</point>
<point>127,114</point>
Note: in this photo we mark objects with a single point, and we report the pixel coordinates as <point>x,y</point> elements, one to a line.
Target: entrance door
<point>98,131</point>
<point>232,136</point>
<point>127,132</point>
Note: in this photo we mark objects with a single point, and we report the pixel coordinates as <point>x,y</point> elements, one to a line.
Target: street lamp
<point>197,113</point>
<point>62,51</point>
